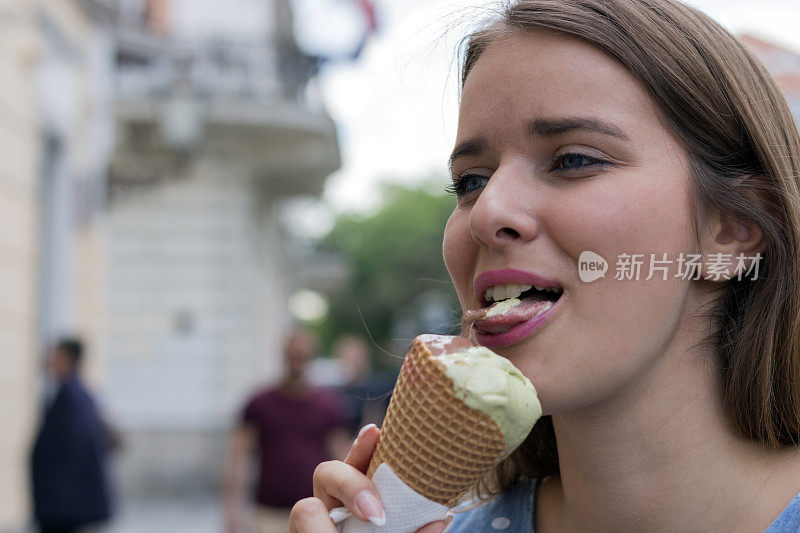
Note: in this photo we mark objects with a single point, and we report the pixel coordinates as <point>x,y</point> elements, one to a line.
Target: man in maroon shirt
<point>291,428</point>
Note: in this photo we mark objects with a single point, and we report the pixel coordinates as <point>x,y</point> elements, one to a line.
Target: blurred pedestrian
<point>365,391</point>
<point>290,428</point>
<point>68,463</point>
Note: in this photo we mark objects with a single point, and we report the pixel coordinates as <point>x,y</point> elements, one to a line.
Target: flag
<point>368,9</point>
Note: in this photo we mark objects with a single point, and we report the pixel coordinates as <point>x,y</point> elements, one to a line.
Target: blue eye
<point>466,183</point>
<point>582,160</point>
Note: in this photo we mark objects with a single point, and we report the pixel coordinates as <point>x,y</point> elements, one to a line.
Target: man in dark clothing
<point>69,478</point>
<point>290,429</point>
<point>366,393</point>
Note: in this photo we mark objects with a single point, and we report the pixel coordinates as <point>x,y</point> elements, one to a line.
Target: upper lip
<point>490,278</point>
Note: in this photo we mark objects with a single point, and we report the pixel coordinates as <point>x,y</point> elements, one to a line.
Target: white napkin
<point>406,509</point>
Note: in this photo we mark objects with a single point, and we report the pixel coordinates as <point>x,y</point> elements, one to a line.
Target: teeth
<point>512,290</point>
<point>551,289</point>
<point>499,293</point>
<point>503,292</point>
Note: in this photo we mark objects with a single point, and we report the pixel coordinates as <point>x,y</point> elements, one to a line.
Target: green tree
<point>397,268</point>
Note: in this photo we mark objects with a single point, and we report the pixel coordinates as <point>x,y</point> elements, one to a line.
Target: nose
<point>504,213</point>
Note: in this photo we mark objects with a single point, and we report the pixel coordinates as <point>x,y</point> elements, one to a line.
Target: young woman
<point>643,132</point>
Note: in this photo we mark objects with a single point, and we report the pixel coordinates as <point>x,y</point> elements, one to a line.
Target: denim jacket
<point>514,510</point>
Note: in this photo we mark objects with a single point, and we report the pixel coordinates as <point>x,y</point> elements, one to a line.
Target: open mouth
<point>514,312</point>
<point>499,293</point>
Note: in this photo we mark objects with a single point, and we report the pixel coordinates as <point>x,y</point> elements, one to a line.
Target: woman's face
<point>523,206</point>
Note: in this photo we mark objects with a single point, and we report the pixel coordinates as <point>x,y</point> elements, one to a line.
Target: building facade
<point>19,209</point>
<point>55,126</point>
<point>217,125</point>
<point>143,161</point>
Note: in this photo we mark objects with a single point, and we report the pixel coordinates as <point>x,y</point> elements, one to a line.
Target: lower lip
<point>517,333</point>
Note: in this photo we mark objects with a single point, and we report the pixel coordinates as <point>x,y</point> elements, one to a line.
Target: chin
<point>554,404</point>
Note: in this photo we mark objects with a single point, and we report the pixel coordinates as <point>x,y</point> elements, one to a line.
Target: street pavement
<point>186,514</point>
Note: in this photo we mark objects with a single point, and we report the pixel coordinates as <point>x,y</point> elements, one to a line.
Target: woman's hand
<point>338,483</point>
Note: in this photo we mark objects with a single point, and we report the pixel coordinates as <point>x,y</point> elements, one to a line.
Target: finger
<point>363,447</point>
<point>310,516</point>
<point>435,527</point>
<point>337,483</point>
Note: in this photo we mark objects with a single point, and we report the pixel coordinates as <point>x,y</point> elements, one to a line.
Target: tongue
<point>524,311</point>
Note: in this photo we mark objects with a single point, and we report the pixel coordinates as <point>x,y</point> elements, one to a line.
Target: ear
<point>730,248</point>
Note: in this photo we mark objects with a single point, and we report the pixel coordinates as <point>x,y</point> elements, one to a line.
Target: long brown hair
<point>721,103</point>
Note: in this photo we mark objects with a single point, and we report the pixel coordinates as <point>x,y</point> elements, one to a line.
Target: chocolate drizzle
<point>468,320</point>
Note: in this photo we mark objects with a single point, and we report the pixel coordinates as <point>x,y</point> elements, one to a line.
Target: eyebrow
<point>543,127</point>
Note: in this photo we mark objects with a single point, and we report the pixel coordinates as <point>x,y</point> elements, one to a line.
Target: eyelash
<point>458,186</point>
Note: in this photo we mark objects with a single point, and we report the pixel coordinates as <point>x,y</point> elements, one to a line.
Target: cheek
<point>626,214</point>
<point>651,216</point>
<point>612,330</point>
<point>459,251</point>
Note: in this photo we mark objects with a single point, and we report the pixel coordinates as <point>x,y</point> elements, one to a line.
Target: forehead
<point>539,73</point>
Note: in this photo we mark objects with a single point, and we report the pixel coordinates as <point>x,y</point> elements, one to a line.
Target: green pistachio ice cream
<point>501,307</point>
<point>489,383</point>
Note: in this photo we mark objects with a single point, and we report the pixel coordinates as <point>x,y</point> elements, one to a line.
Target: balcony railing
<point>235,70</point>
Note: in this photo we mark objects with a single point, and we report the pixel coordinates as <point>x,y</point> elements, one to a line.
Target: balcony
<point>240,99</point>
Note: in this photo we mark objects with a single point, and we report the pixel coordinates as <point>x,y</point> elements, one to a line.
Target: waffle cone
<point>434,442</point>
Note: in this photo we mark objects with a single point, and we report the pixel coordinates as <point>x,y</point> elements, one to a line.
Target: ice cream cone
<point>435,443</point>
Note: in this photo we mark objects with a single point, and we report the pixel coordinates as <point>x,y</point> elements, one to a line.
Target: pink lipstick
<point>515,325</point>
<point>490,278</point>
<point>521,320</point>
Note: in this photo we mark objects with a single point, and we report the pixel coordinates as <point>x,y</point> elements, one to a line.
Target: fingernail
<point>364,429</point>
<point>369,505</point>
<point>339,514</point>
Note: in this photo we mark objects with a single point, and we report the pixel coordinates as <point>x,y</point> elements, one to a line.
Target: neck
<point>295,385</point>
<point>64,377</point>
<point>661,456</point>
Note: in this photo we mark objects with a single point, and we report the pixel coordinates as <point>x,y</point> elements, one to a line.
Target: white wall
<point>211,18</point>
<point>194,249</point>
